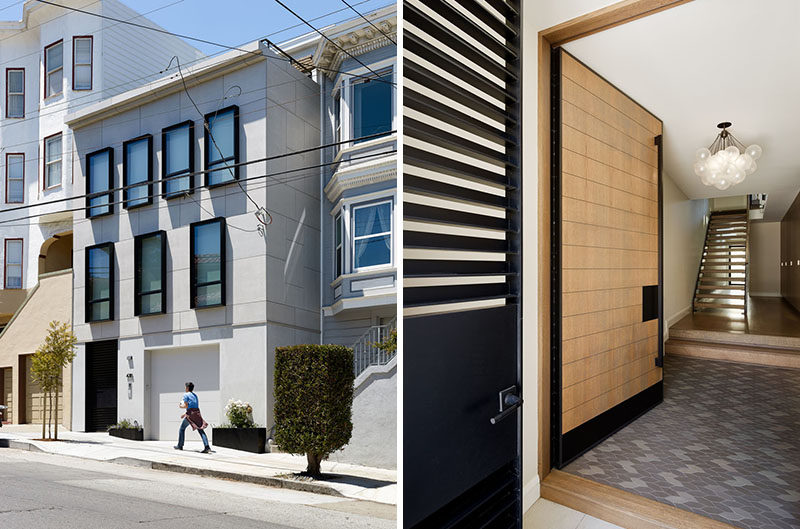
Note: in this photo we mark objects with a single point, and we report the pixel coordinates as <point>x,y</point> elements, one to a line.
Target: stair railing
<point>746,262</point>
<point>366,352</point>
<point>700,267</point>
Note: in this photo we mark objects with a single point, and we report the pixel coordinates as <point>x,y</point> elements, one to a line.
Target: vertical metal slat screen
<point>462,217</point>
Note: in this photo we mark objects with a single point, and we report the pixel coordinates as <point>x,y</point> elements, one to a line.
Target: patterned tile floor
<point>725,443</point>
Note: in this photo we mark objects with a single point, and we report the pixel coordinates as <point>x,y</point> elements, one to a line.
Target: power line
<point>193,188</point>
<point>370,22</point>
<point>212,43</point>
<point>321,34</point>
<point>197,173</point>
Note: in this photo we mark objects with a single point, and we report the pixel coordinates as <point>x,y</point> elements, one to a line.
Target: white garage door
<point>169,370</point>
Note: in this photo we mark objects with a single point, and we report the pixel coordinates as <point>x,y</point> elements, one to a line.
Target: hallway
<point>723,444</point>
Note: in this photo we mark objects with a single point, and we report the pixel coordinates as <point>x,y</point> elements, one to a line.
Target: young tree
<point>49,361</point>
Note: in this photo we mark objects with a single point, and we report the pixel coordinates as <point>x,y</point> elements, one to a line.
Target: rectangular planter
<point>247,439</point>
<point>134,434</point>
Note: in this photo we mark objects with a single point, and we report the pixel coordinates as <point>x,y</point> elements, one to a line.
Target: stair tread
<point>720,296</point>
<point>717,345</point>
<point>717,305</point>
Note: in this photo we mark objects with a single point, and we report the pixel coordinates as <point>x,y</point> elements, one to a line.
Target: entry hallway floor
<point>725,443</point>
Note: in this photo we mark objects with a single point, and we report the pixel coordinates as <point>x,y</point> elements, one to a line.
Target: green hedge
<point>313,400</point>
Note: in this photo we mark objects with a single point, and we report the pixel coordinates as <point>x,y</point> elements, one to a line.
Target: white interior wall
<point>685,224</point>
<point>765,258</point>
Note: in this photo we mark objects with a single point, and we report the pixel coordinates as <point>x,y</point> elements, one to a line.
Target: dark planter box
<point>247,439</point>
<point>134,434</point>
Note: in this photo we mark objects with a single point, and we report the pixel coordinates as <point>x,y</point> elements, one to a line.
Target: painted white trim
<point>372,371</point>
<point>531,492</point>
<point>766,294</point>
<point>383,171</point>
<point>384,297</point>
<point>364,275</point>
<point>672,320</point>
<point>355,238</point>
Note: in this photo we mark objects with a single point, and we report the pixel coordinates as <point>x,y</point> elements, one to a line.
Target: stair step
<point>745,353</point>
<point>710,305</point>
<point>700,295</point>
<point>725,239</point>
<point>720,287</point>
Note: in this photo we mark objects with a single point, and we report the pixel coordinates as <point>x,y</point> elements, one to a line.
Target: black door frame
<point>565,447</point>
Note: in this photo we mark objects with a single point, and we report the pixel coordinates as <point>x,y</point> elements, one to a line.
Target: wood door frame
<point>549,38</point>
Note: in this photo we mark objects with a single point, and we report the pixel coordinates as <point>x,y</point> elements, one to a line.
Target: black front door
<point>462,262</point>
<point>101,385</point>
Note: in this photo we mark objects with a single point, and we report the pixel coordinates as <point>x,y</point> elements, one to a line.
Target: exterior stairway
<point>722,278</point>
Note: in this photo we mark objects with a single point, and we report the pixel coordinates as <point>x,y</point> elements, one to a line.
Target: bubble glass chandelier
<point>726,162</point>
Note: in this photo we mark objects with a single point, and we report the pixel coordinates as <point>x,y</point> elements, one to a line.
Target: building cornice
<point>361,175</point>
<point>355,41</point>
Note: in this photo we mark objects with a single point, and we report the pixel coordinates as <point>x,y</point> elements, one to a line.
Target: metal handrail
<point>366,352</point>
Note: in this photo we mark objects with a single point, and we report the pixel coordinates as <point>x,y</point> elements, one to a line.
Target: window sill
<point>221,184</point>
<point>52,188</point>
<point>49,98</point>
<point>137,206</point>
<point>15,117</point>
<point>173,196</point>
<point>161,313</point>
<point>100,321</point>
<point>382,269</point>
<point>218,305</point>
<point>352,147</point>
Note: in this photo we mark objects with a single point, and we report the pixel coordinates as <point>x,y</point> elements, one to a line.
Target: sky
<point>233,22</point>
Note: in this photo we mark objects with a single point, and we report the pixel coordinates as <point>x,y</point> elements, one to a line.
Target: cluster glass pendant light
<point>726,162</point>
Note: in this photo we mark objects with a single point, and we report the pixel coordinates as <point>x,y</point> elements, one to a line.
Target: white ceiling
<point>709,61</point>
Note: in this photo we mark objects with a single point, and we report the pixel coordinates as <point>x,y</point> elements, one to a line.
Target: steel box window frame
<point>193,285</point>
<point>352,239</point>
<point>21,263</point>
<point>45,163</point>
<point>8,93</point>
<point>90,194</point>
<point>88,301</point>
<point>137,273</point>
<point>75,39</point>
<point>166,177</point>
<point>147,183</point>
<point>10,154</point>
<point>47,73</point>
<point>208,144</point>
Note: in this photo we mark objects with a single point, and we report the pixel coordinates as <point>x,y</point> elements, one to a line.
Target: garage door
<point>169,370</point>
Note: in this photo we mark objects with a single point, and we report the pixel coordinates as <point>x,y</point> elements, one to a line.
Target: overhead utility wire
<point>212,43</point>
<point>202,172</point>
<point>154,195</point>
<point>370,22</point>
<point>321,34</point>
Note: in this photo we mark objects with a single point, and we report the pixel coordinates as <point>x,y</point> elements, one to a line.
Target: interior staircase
<point>722,278</point>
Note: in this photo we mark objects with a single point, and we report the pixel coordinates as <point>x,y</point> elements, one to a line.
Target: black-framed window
<point>137,171</point>
<point>372,106</point>
<point>177,146</point>
<point>223,151</point>
<point>100,182</point>
<point>207,263</point>
<point>150,273</point>
<point>100,282</point>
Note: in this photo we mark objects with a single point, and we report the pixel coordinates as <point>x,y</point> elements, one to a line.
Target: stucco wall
<point>374,439</point>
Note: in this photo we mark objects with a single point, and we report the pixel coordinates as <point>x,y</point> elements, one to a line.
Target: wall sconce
<point>130,361</point>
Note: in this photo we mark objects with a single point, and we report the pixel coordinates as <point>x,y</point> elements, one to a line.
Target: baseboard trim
<point>764,294</point>
<point>619,507</point>
<point>531,492</point>
<point>672,320</point>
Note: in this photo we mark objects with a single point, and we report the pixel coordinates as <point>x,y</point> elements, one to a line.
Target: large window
<point>12,271</point>
<point>372,235</point>
<point>52,161</point>
<point>372,106</point>
<point>222,146</point>
<point>15,92</point>
<point>150,265</point>
<point>82,63</point>
<point>54,69</point>
<point>137,171</point>
<point>177,144</point>
<point>338,243</point>
<point>100,282</point>
<point>15,178</point>
<point>99,182</point>
<point>207,254</point>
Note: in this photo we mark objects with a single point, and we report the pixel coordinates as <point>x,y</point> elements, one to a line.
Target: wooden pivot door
<point>462,263</point>
<point>606,246</point>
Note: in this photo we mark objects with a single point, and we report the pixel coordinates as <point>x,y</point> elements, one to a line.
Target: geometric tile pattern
<point>725,443</point>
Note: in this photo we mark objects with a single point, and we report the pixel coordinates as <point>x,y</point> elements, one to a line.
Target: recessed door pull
<point>509,402</point>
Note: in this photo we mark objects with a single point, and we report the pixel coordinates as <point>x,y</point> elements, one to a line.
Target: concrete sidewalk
<point>345,480</point>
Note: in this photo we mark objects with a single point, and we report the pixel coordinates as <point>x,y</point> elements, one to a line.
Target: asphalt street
<point>42,491</point>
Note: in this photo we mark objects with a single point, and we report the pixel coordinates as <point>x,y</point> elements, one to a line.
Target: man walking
<point>192,418</point>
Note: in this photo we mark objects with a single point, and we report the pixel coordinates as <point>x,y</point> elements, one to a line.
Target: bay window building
<point>54,61</point>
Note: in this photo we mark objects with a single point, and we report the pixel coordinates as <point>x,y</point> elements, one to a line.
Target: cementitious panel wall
<point>609,244</point>
<point>272,282</point>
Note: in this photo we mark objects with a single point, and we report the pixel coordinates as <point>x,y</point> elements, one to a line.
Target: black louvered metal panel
<point>101,385</point>
<point>462,261</point>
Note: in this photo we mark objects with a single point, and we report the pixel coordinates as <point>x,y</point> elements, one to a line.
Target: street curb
<point>282,483</point>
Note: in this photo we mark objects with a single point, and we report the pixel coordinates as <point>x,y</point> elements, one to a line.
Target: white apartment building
<point>54,61</point>
<point>176,279</point>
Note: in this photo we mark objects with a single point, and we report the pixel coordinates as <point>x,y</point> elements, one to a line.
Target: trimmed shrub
<point>313,400</point>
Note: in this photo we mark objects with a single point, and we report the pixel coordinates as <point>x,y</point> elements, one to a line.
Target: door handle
<point>509,402</point>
